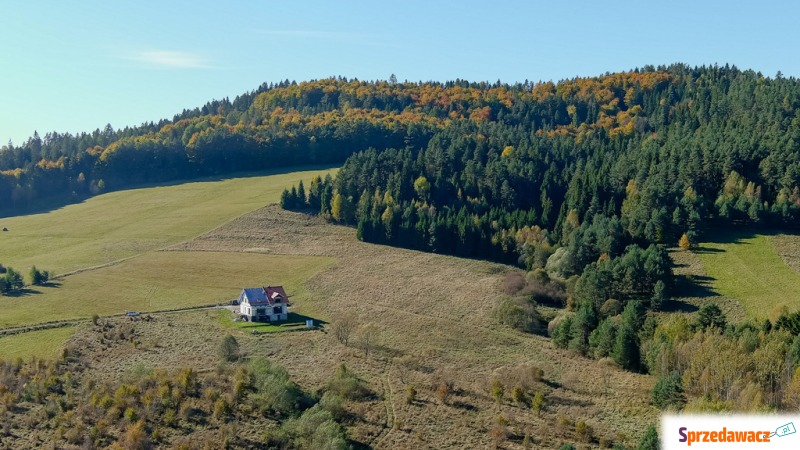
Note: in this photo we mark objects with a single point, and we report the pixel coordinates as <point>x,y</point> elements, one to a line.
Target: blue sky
<point>75,66</point>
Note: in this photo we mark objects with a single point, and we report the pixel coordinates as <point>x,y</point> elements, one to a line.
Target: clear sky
<point>75,66</point>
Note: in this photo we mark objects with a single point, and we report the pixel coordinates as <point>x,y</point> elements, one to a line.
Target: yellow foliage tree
<point>684,242</point>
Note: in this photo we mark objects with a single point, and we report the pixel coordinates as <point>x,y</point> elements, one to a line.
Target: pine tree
<point>649,440</point>
<point>301,195</point>
<point>314,194</point>
<point>660,296</point>
<point>287,201</point>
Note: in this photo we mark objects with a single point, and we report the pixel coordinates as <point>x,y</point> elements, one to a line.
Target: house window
<point>278,299</point>
<point>277,310</point>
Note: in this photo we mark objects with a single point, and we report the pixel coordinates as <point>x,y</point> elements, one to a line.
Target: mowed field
<point>122,224</point>
<point>107,248</point>
<point>158,281</point>
<point>46,344</point>
<point>750,269</point>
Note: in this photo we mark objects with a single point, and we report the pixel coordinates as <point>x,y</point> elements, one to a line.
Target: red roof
<point>273,292</point>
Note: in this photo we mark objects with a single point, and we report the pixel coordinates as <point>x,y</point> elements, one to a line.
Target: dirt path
<point>391,414</point>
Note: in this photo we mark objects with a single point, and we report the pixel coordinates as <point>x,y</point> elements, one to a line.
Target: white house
<point>264,304</point>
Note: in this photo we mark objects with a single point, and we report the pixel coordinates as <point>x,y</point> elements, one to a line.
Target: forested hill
<point>653,152</point>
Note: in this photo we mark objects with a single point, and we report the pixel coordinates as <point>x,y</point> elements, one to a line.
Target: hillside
<point>544,149</point>
<point>433,330</point>
<point>541,263</point>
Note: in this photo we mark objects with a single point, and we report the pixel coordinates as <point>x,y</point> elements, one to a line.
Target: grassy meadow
<point>126,223</point>
<point>748,268</point>
<point>44,344</point>
<point>158,280</point>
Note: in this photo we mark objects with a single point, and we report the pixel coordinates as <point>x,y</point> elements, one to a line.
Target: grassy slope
<point>425,310</point>
<point>159,280</point>
<point>41,344</point>
<point>749,269</point>
<point>126,223</point>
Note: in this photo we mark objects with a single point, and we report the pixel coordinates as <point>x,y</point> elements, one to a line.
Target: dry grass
<point>788,248</point>
<point>434,315</point>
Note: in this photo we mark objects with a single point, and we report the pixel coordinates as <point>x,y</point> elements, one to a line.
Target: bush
<point>314,429</point>
<point>513,283</point>
<point>275,392</point>
<point>611,307</point>
<point>538,402</point>
<point>334,405</point>
<point>411,394</point>
<point>443,392</point>
<point>347,385</point>
<point>229,349</point>
<point>519,396</point>
<point>583,431</point>
<point>521,314</point>
<point>497,391</point>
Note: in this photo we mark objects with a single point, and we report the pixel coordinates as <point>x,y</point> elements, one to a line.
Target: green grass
<point>126,223</point>
<point>294,322</point>
<point>160,280</point>
<point>41,344</point>
<point>749,270</point>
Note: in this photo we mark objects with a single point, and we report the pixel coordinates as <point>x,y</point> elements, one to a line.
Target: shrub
<point>513,283</point>
<point>520,314</point>
<point>538,402</point>
<point>229,349</point>
<point>130,415</point>
<point>411,394</point>
<point>443,392</point>
<point>314,429</point>
<point>222,409</point>
<point>497,391</point>
<point>611,307</point>
<point>583,431</point>
<point>334,405</point>
<point>519,396</point>
<point>347,385</point>
<point>135,437</point>
<point>274,392</point>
